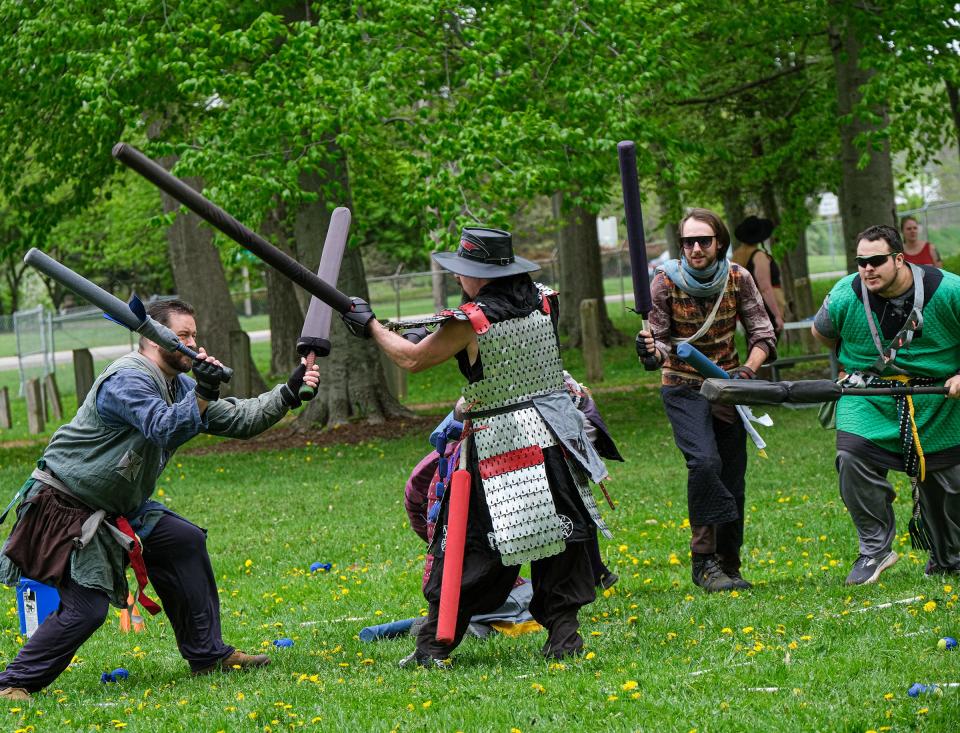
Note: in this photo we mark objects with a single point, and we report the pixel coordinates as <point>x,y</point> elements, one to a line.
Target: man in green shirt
<point>896,321</point>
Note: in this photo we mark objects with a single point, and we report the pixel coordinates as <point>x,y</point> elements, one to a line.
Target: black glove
<point>290,392</point>
<point>415,335</point>
<point>208,376</point>
<point>649,359</point>
<point>742,372</point>
<point>358,318</point>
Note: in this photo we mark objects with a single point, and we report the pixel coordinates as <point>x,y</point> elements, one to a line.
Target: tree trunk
<point>352,382</point>
<point>953,94</point>
<point>438,281</point>
<point>14,273</point>
<point>866,188</point>
<point>283,303</point>
<point>733,211</point>
<point>670,219</point>
<point>200,280</point>
<point>671,208</point>
<point>581,275</point>
<point>797,274</point>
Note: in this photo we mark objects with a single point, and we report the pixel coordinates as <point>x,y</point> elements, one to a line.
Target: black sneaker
<point>937,571</point>
<point>709,576</point>
<point>867,569</point>
<point>608,580</point>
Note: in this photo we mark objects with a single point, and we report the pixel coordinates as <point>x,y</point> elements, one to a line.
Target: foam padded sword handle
<point>453,555</point>
<point>695,358</point>
<point>306,392</point>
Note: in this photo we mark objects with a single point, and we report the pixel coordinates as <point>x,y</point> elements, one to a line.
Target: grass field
<point>800,652</point>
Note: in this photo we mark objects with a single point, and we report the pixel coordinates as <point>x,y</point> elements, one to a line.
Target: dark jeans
<point>562,584</point>
<point>716,455</point>
<point>179,567</point>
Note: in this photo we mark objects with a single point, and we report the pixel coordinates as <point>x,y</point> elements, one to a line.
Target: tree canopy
<point>428,115</point>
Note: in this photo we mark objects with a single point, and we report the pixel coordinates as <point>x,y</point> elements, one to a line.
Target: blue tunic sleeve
<point>129,398</point>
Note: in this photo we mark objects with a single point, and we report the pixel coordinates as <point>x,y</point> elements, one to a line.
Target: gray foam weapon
<point>315,337</point>
<point>133,315</point>
<point>761,392</point>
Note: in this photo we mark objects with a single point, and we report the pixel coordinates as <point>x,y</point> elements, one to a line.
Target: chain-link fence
<point>33,334</point>
<point>87,328</point>
<point>939,223</point>
<point>407,294</point>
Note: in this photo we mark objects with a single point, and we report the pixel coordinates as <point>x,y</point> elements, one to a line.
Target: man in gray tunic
<point>87,506</point>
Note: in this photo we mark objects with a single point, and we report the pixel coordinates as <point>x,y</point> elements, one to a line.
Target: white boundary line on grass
<point>885,605</point>
<point>714,669</point>
<point>333,620</point>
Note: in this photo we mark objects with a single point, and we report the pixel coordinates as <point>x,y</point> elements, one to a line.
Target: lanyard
<point>905,336</point>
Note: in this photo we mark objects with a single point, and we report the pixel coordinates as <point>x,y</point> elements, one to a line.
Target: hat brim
<point>462,266</point>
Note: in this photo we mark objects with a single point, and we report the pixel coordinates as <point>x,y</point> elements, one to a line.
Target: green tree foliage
<point>444,114</point>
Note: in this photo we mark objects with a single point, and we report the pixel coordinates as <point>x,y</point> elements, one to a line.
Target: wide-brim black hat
<point>753,230</point>
<point>486,253</point>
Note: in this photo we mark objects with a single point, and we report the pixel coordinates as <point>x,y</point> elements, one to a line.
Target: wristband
<point>289,398</point>
<point>205,393</point>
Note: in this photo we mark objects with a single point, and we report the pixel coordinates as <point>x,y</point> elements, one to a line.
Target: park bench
<point>789,361</point>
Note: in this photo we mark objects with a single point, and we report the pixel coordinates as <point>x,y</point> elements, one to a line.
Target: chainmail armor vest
<point>520,361</point>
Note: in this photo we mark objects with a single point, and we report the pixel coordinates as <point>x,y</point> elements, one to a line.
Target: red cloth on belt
<point>139,567</point>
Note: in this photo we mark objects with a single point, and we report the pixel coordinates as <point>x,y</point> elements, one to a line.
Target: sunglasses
<point>874,260</point>
<point>705,241</point>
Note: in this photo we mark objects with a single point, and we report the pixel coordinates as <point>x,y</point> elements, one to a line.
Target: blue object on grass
<point>115,676</point>
<point>917,689</point>
<point>386,631</point>
<point>325,566</point>
<point>283,642</point>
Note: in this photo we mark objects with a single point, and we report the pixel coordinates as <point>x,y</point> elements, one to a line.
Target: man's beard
<point>176,361</point>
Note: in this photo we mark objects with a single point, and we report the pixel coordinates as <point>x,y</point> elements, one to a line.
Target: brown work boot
<point>14,693</point>
<point>236,661</point>
<point>730,565</point>
<point>708,574</point>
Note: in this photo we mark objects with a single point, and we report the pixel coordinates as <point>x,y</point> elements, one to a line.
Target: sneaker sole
<point>889,561</point>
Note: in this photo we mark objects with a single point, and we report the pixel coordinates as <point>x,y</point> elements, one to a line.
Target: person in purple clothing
<point>87,506</point>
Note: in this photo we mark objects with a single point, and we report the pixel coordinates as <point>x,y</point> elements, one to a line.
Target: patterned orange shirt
<point>677,315</point>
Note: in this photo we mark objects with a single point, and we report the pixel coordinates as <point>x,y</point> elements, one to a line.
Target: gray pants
<point>868,496</point>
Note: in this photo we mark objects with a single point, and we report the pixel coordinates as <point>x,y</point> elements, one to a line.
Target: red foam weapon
<point>457,512</point>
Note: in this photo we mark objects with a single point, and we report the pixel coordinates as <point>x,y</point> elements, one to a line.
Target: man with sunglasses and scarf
<point>892,320</point>
<point>698,300</point>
